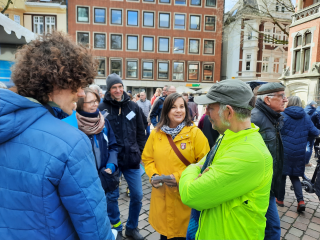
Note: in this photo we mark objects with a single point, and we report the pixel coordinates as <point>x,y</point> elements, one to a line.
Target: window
<point>249,35</point>
<point>194,22</point>
<point>208,72</point>
<point>177,71</point>
<point>208,47</point>
<point>164,1</point>
<point>163,70</point>
<point>102,67</point>
<point>163,44</point>
<point>298,41</point>
<point>302,53</point>
<point>99,15</point>
<point>249,56</point>
<point>210,3</point>
<point>132,69</point>
<point>116,41</point>
<point>132,18</point>
<point>148,20</point>
<point>148,0</point>
<point>306,59</point>
<point>195,2</point>
<point>247,65</point>
<point>44,24</point>
<point>116,17</point>
<point>148,44</point>
<point>83,38</point>
<point>83,14</point>
<point>210,23</point>
<point>307,38</point>
<point>178,45</point>
<point>265,64</point>
<point>147,70</point>
<point>164,20</point>
<point>276,65</point>
<point>116,66</point>
<point>180,2</point>
<point>193,71</point>
<point>179,21</point>
<point>99,40</point>
<point>132,42</point>
<point>194,46</point>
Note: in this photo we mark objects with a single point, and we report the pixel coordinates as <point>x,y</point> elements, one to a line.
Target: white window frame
<point>110,42</point>
<point>129,50</point>
<point>203,77</point>
<point>93,15</point>
<point>93,40</point>
<point>84,6</point>
<point>184,70</point>
<point>126,67</point>
<point>115,58</point>
<point>153,69</point>
<point>169,46</point>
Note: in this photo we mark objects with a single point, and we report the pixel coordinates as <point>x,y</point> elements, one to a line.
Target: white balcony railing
<point>306,12</point>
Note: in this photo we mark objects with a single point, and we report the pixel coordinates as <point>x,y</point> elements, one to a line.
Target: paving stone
<point>285,225</point>
<point>309,210</point>
<point>150,229</point>
<point>313,233</point>
<point>292,214</point>
<point>142,224</point>
<point>144,233</point>
<point>283,232</point>
<point>306,237</point>
<point>287,219</point>
<point>154,236</point>
<point>296,232</point>
<point>143,216</point>
<point>314,226</point>
<point>289,236</point>
<point>300,226</point>
<point>303,220</point>
<point>314,207</point>
<point>315,220</point>
<point>282,209</point>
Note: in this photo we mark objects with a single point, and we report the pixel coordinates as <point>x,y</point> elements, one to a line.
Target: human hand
<point>108,170</point>
<point>200,174</point>
<point>156,183</point>
<point>171,182</point>
<point>149,124</point>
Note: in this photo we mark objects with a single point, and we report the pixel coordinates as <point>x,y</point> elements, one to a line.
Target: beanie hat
<point>113,79</point>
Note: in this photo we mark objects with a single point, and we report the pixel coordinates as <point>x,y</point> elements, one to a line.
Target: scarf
<point>90,123</point>
<point>173,131</point>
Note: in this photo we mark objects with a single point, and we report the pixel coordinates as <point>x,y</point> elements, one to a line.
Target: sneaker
<point>134,233</point>
<point>279,203</point>
<point>119,236</point>
<point>301,206</point>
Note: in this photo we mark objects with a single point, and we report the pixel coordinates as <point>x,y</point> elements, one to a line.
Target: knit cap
<point>113,79</point>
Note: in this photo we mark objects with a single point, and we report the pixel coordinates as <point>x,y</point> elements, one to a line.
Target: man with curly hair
<point>49,187</point>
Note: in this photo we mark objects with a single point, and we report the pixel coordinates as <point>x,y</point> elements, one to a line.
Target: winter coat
<point>168,215</point>
<point>296,129</point>
<point>156,110</point>
<point>233,195</point>
<point>270,123</point>
<point>211,134</point>
<point>314,115</point>
<point>49,186</point>
<point>127,123</point>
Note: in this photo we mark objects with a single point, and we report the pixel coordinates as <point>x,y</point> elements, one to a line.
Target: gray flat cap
<point>271,88</point>
<point>229,92</point>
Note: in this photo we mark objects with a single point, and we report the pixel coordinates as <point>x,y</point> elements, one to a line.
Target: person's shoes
<point>119,236</point>
<point>309,165</point>
<point>134,233</point>
<point>301,206</point>
<point>279,203</point>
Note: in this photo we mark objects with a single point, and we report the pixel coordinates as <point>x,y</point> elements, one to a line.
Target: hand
<point>149,124</point>
<point>157,183</point>
<point>172,182</point>
<point>108,170</point>
<point>200,174</point>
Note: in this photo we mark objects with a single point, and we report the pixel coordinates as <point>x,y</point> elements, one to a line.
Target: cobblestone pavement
<point>294,225</point>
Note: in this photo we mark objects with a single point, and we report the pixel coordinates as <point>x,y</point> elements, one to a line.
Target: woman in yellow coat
<point>168,215</point>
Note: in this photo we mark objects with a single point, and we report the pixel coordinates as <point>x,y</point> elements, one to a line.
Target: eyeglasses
<point>91,103</point>
<point>283,96</point>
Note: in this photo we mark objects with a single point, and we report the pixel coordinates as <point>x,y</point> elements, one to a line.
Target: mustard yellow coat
<point>168,215</point>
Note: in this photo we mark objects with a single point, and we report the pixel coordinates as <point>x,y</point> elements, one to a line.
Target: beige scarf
<point>89,125</point>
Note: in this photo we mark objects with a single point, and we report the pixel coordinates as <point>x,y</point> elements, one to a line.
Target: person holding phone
<point>174,144</point>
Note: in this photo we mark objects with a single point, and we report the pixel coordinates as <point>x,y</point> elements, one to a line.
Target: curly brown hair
<point>52,61</point>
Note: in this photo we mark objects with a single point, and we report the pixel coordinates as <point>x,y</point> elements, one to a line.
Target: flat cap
<point>229,92</point>
<point>271,88</point>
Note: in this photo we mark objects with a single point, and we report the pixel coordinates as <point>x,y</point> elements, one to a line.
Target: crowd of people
<point>65,143</point>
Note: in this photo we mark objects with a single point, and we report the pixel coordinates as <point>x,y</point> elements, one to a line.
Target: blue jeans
<point>133,179</point>
<point>148,132</point>
<point>296,186</point>
<point>308,154</point>
<point>273,230</point>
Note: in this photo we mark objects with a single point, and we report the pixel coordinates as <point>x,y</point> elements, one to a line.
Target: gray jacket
<point>145,106</point>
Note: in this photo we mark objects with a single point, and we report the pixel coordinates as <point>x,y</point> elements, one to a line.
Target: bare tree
<point>6,6</point>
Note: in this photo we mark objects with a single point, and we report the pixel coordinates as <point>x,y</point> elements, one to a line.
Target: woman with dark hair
<point>175,143</point>
<point>296,129</point>
<point>99,131</point>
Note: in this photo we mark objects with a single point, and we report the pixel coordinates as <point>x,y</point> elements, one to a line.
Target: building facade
<point>254,47</point>
<point>303,66</point>
<point>151,43</point>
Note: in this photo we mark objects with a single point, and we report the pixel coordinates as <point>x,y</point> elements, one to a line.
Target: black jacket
<point>129,132</point>
<point>270,123</point>
<point>211,134</point>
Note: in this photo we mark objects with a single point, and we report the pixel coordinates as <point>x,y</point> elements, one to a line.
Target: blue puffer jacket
<point>296,129</point>
<point>49,186</point>
<point>314,115</point>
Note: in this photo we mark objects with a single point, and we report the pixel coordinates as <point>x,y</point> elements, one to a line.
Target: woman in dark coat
<point>296,129</point>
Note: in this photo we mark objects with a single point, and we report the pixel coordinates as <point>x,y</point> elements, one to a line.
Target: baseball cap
<point>229,92</point>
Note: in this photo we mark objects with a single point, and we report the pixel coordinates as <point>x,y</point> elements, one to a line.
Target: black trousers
<point>296,186</point>
<point>176,238</point>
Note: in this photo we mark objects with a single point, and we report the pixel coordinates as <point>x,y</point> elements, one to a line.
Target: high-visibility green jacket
<point>233,196</point>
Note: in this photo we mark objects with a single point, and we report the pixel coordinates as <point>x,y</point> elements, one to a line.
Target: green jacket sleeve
<point>236,172</point>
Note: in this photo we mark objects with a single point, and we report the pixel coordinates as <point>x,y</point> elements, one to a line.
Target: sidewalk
<point>305,226</point>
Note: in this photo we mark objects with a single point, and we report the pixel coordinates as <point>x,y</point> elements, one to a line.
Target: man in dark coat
<point>211,134</point>
<point>266,115</point>
<point>126,121</point>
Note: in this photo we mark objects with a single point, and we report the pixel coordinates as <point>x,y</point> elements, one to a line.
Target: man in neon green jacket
<point>233,191</point>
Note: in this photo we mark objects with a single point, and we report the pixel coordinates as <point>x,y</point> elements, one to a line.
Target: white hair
<point>242,114</point>
<point>262,97</point>
<point>95,88</point>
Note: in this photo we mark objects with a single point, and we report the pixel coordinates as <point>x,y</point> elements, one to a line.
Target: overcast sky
<point>229,4</point>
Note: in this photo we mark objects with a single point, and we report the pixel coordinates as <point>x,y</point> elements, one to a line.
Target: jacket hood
<point>309,110</point>
<point>17,113</point>
<point>109,99</point>
<point>295,112</point>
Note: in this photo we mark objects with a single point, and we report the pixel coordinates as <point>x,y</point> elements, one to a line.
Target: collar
<point>89,115</point>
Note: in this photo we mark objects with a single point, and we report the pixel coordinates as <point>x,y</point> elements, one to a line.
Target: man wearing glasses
<point>266,115</point>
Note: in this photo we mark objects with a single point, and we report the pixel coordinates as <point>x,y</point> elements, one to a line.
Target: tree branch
<point>7,6</point>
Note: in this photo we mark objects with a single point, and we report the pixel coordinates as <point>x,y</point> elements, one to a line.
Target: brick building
<point>151,43</point>
<point>303,72</point>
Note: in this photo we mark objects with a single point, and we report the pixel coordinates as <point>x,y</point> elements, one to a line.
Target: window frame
<point>44,22</point>
<point>110,41</point>
<point>150,2</point>
<point>195,15</point>
<point>197,6</point>
<point>158,70</point>
<point>215,23</point>
<point>198,74</point>
<point>93,14</point>
<point>174,21</point>
<point>137,70</point>
<point>153,12</point>
<point>214,47</point>
<point>138,18</point>
<point>184,45</point>
<point>159,2</point>
<point>81,6</point>
<point>105,67</point>
<point>147,61</point>
<point>199,46</point>
<point>121,65</point>
<point>169,20</point>
<point>77,40</point>
<point>203,77</point>
<point>142,42</point>
<point>128,35</point>
<point>110,15</point>
<point>183,71</point>
<point>105,40</point>
<point>186,3</point>
<point>158,51</point>
<point>206,6</point>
